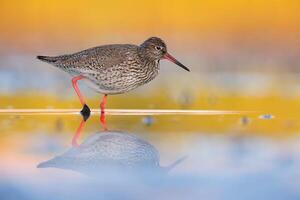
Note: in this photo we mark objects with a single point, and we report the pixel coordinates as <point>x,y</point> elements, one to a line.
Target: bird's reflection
<point>110,151</point>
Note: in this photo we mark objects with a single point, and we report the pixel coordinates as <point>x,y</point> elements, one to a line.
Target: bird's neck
<point>152,67</point>
<point>144,54</point>
<point>149,62</point>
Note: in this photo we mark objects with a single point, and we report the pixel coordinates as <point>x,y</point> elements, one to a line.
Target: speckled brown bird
<point>114,69</point>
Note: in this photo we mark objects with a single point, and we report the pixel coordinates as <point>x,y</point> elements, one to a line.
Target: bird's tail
<point>177,162</point>
<point>47,59</point>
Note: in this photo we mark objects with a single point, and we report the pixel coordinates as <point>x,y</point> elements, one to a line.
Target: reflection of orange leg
<point>78,133</point>
<point>102,116</point>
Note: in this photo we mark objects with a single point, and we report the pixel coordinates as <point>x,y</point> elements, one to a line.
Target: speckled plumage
<point>114,69</point>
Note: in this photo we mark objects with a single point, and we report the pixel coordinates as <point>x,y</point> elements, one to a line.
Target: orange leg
<point>74,83</point>
<point>78,133</point>
<point>102,116</point>
<point>85,112</point>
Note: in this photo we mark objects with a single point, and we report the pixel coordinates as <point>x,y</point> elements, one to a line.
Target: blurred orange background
<point>215,26</point>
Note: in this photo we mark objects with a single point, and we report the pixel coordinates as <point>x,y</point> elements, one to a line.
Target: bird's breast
<point>146,72</point>
<point>124,77</point>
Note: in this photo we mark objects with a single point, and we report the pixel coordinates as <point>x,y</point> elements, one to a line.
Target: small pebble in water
<point>244,120</point>
<point>266,116</point>
<point>148,120</point>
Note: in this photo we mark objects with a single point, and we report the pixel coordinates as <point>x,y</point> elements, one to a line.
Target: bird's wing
<point>94,60</point>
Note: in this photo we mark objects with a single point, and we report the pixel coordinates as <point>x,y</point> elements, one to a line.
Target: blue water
<point>216,166</point>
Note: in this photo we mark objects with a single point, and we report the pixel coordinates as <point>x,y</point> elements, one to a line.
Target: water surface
<point>227,155</point>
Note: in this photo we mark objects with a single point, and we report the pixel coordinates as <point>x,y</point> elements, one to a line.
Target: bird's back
<point>109,69</point>
<point>92,59</point>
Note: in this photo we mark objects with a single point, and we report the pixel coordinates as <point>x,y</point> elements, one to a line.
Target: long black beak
<point>172,59</point>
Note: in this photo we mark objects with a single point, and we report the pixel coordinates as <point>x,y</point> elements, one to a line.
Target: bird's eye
<point>158,48</point>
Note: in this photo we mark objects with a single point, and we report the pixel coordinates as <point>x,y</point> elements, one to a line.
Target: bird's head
<point>156,49</point>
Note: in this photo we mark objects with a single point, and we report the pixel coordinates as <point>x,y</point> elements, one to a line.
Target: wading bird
<point>113,69</point>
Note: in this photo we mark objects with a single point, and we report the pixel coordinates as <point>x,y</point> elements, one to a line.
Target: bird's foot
<point>85,112</point>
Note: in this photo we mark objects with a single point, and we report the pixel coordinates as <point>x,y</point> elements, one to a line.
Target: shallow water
<point>234,156</point>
